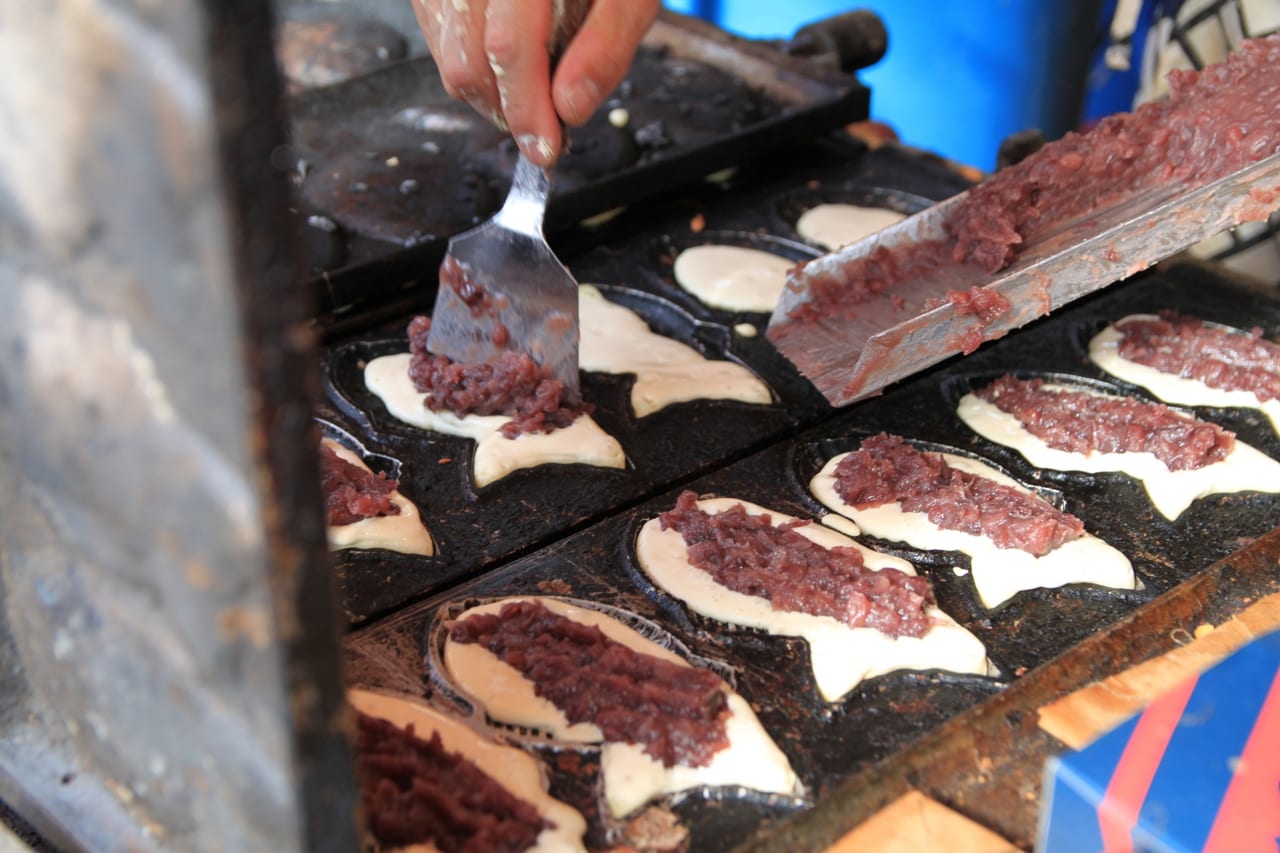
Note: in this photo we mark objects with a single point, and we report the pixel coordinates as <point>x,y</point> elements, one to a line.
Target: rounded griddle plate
<point>476,529</point>
<point>563,533</point>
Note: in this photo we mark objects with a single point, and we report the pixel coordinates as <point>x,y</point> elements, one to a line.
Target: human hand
<point>493,54</point>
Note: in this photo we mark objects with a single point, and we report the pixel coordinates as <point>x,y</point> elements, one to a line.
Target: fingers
<point>515,42</point>
<point>493,55</point>
<point>597,60</point>
<point>465,66</point>
<point>455,31</point>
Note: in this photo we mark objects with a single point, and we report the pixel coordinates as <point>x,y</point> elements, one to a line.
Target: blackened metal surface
<point>321,46</point>
<point>988,762</point>
<point>395,162</point>
<point>969,741</point>
<point>168,673</point>
<point>631,258</point>
<point>764,196</point>
<point>477,527</point>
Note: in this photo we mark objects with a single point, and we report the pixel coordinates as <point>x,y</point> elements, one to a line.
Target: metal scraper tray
<point>848,359</point>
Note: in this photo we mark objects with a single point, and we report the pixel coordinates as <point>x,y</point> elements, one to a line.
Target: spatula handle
<point>527,201</point>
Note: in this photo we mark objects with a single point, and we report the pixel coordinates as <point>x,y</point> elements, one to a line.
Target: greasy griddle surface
<point>631,259</point>
<point>830,746</point>
<point>393,161</point>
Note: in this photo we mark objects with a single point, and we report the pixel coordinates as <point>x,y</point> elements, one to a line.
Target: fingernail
<point>582,98</point>
<point>536,148</point>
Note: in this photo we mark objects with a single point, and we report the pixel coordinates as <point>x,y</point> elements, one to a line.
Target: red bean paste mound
<point>416,791</point>
<point>748,554</point>
<point>1214,122</point>
<point>886,469</point>
<point>675,713</point>
<point>1221,358</point>
<point>1080,422</point>
<point>351,493</point>
<point>511,386</point>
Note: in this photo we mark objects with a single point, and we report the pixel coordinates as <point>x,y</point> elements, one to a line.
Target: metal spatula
<point>501,287</point>
<point>915,325</point>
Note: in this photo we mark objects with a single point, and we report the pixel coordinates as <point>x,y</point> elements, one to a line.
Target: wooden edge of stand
<point>1079,718</point>
<point>915,822</point>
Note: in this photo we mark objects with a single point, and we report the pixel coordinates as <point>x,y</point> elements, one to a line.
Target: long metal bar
<point>168,667</point>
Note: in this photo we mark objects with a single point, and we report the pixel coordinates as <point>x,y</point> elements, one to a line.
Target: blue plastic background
<point>959,75</point>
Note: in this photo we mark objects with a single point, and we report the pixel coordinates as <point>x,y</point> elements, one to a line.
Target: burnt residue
<point>476,529</point>
<point>570,531</point>
<point>970,741</point>
<point>694,101</point>
<point>319,47</point>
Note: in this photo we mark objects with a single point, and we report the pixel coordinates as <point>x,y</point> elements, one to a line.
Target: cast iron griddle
<point>855,753</point>
<point>388,160</point>
<point>631,259</point>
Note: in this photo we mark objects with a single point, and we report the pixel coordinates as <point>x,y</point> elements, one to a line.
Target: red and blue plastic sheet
<point>1197,770</point>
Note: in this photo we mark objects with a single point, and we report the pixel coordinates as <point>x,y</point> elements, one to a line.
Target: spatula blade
<point>503,290</point>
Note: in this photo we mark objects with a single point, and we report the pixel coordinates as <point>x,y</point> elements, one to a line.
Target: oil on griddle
<point>832,745</point>
<point>387,160</point>
<point>631,258</point>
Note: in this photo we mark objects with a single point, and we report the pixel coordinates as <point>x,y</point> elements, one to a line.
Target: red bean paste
<point>837,292</point>
<point>510,386</point>
<point>416,791</point>
<point>987,305</point>
<point>886,469</point>
<point>453,274</point>
<point>1221,358</point>
<point>351,493</point>
<point>1214,122</point>
<point>675,713</point>
<point>1081,422</point>
<point>748,554</point>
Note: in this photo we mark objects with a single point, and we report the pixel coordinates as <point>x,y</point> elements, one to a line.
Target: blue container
<point>958,76</point>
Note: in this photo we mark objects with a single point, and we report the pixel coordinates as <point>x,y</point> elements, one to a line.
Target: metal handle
<point>850,40</point>
<point>526,203</point>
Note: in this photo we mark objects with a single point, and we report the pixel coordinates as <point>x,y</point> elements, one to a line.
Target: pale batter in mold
<point>998,573</point>
<point>630,776</point>
<point>617,340</point>
<point>1104,351</point>
<point>515,769</point>
<point>496,456</point>
<point>834,225</point>
<point>733,277</point>
<point>404,532</point>
<point>841,656</point>
<point>614,340</point>
<point>1244,469</point>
